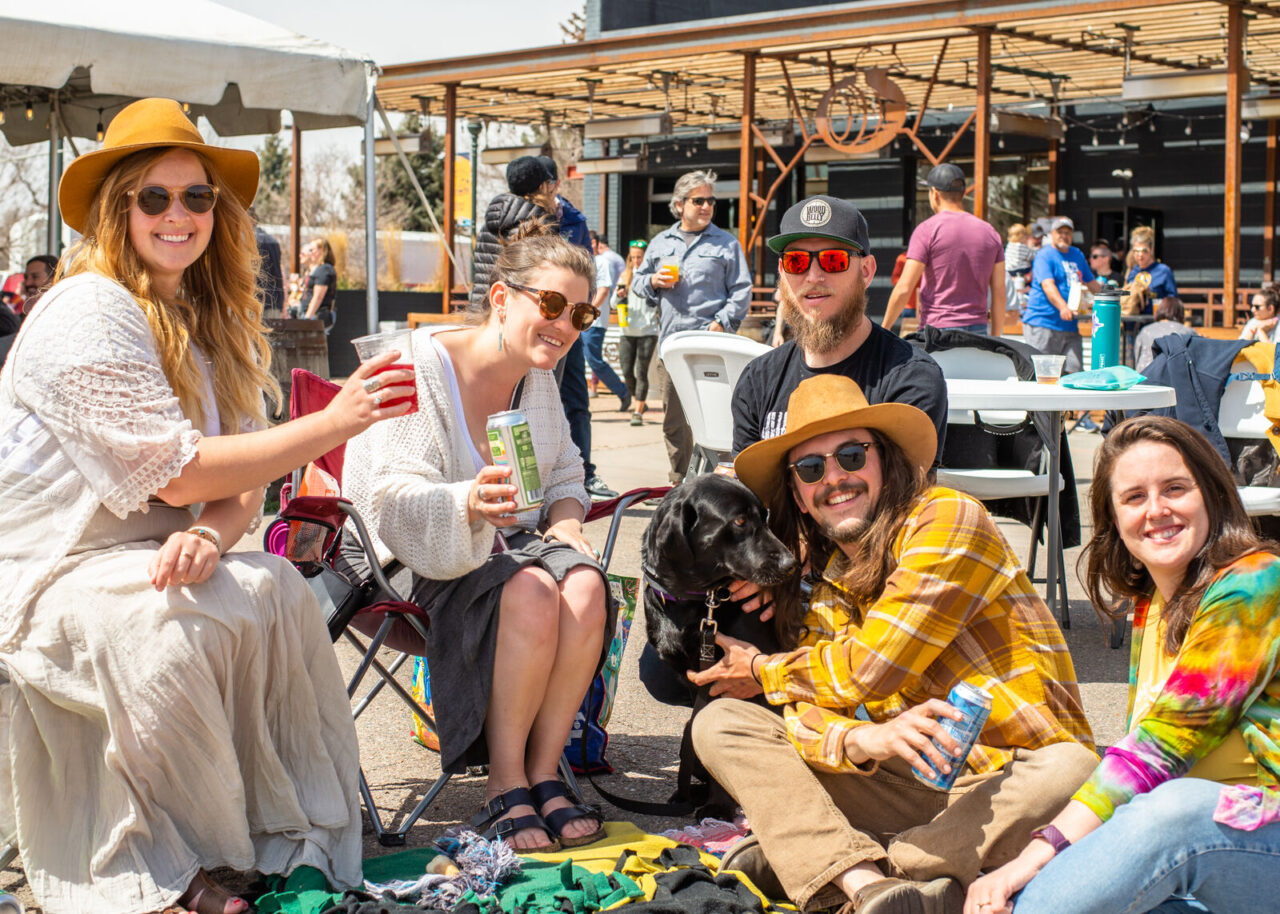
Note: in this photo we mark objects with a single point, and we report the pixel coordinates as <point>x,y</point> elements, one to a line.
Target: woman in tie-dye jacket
<point>1183,814</point>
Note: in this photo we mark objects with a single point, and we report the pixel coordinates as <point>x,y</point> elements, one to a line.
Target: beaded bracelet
<point>208,534</point>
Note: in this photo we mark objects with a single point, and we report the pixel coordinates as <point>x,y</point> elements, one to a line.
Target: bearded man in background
<point>825,266</point>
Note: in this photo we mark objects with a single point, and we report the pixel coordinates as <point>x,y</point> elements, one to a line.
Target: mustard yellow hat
<point>146,124</point>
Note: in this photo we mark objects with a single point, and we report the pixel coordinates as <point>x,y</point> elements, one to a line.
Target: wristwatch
<point>1057,840</point>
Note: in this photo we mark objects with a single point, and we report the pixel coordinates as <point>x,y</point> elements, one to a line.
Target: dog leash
<point>706,658</point>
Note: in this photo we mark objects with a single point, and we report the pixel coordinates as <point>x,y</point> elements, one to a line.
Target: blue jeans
<point>593,338</point>
<point>577,408</point>
<point>1162,852</point>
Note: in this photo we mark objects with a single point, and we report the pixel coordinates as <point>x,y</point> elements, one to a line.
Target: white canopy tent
<point>70,65</point>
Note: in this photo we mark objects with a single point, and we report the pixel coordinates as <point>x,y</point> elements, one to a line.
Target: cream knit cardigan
<point>409,477</point>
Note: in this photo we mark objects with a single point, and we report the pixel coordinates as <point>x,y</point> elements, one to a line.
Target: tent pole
<point>295,199</point>
<point>370,222</point>
<point>53,242</point>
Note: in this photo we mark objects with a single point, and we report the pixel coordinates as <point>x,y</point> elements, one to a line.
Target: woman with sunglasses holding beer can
<point>515,596</point>
<point>171,709</point>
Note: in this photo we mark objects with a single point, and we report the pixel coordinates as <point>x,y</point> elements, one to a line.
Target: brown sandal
<point>204,896</point>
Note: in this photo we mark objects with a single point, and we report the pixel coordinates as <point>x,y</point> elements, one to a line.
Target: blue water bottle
<point>1106,330</point>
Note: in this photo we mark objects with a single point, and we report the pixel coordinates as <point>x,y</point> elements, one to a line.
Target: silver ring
<point>377,400</point>
<point>370,385</point>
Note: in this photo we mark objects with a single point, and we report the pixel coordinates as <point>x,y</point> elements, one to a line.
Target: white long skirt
<point>151,734</point>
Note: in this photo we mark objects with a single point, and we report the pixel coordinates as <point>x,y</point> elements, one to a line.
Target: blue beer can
<point>975,704</point>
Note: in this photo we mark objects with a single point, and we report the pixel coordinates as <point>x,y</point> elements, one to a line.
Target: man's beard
<point>822,335</point>
<point>851,529</point>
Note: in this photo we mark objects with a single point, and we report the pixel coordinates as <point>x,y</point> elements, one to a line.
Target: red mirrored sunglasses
<point>832,260</point>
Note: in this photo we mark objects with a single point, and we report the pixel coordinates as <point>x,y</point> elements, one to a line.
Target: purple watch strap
<point>1057,840</point>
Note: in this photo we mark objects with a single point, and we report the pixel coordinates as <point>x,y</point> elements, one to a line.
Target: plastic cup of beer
<point>671,268</point>
<point>1048,367</point>
<point>375,344</point>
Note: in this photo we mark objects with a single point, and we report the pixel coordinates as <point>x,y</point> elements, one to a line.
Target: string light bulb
<point>31,112</point>
<point>1000,143</point>
<point>1188,130</point>
<point>101,132</point>
<point>186,107</point>
<point>1095,138</point>
<point>1,115</point>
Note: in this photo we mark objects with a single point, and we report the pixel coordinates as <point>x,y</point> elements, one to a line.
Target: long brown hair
<point>217,308</point>
<point>868,568</point>
<point>1113,577</point>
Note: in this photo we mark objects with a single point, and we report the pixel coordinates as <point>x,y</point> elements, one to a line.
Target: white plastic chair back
<point>704,367</point>
<point>1240,413</point>
<point>973,364</point>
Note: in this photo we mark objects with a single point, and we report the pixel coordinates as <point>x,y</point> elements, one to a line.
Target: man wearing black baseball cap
<point>825,265</point>
<point>956,259</point>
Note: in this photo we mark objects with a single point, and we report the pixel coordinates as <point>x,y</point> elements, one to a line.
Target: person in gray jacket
<point>697,275</point>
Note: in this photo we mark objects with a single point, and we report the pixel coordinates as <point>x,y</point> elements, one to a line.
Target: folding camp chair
<point>308,530</point>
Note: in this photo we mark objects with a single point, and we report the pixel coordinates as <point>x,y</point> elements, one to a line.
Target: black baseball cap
<point>823,217</point>
<point>946,178</point>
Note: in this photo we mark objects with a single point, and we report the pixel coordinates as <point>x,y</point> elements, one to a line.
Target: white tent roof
<point>235,70</point>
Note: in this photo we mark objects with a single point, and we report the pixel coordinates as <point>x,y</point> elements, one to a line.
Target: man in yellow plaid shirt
<point>919,591</point>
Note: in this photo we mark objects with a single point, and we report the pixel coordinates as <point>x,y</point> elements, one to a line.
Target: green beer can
<point>511,444</point>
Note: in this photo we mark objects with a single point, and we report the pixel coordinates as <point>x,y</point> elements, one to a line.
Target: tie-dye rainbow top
<point>1225,677</point>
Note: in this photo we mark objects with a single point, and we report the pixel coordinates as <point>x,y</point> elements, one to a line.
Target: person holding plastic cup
<point>697,275</point>
<point>191,692</point>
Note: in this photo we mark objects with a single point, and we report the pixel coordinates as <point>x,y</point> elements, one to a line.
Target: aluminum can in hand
<point>975,704</point>
<point>511,444</point>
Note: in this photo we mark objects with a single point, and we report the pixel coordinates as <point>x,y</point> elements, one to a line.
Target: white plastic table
<point>1052,399</point>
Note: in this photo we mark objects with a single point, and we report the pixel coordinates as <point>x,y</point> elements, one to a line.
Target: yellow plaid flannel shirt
<point>958,607</point>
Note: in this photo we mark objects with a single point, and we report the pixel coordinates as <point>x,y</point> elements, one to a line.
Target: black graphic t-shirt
<point>886,367</point>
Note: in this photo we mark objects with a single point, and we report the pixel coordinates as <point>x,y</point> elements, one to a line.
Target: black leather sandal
<point>559,818</point>
<point>489,818</point>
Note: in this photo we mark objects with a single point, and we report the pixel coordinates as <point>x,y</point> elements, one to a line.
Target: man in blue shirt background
<point>1048,322</point>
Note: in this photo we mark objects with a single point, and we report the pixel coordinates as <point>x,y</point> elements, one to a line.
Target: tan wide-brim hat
<point>829,403</point>
<point>147,124</point>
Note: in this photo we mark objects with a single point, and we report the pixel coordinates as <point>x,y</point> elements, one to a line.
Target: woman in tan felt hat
<point>172,709</point>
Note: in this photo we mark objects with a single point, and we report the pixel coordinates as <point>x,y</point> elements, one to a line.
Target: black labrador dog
<point>705,533</point>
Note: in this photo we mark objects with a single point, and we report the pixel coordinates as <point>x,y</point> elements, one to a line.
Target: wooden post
<point>757,256</point>
<point>982,127</point>
<point>745,170</point>
<point>1269,208</point>
<point>1231,203</point>
<point>450,158</point>
<point>295,202</point>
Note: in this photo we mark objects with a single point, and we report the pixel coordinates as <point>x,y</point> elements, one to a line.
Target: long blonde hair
<point>217,307</point>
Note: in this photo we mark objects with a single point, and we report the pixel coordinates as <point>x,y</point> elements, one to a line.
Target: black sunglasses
<point>850,457</point>
<point>701,201</point>
<point>552,305</point>
<point>155,199</point>
<point>832,260</point>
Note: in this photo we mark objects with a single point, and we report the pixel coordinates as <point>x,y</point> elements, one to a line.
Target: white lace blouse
<point>87,419</point>
<point>409,477</point>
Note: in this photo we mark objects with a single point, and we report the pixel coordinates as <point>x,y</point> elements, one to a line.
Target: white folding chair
<point>988,483</point>
<point>1241,415</point>
<point>704,367</point>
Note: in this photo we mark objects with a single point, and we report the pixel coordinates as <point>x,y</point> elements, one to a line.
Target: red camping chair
<point>308,531</point>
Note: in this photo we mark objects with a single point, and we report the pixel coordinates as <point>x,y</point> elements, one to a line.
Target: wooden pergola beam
<point>450,179</point>
<point>1231,205</point>
<point>746,173</point>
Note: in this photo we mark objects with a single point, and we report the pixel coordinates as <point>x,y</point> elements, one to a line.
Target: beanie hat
<point>525,175</point>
